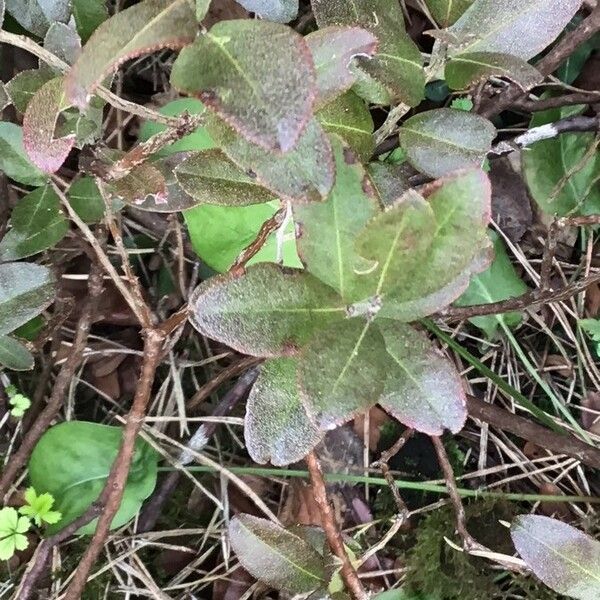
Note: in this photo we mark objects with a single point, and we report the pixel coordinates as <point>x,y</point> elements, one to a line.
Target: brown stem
<point>332,532</point>
<point>112,493</point>
<point>531,106</point>
<point>547,65</point>
<point>63,380</point>
<point>532,432</point>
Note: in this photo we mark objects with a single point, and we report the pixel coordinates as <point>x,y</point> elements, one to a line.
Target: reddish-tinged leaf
<point>564,558</point>
<point>144,184</point>
<point>277,428</point>
<point>423,389</point>
<point>39,123</point>
<point>144,27</point>
<point>333,49</point>
<point>258,76</point>
<point>268,311</point>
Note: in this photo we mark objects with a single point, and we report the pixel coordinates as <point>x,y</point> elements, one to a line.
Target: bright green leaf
<point>349,117</point>
<point>268,311</point>
<point>398,65</point>
<point>522,28</point>
<point>562,172</point>
<point>328,229</point>
<point>13,159</point>
<point>15,356</point>
<point>75,474</point>
<point>141,28</point>
<point>12,528</point>
<point>26,289</point>
<point>19,403</point>
<point>277,428</point>
<point>564,558</point>
<point>276,556</point>
<point>88,15</point>
<point>423,389</point>
<point>37,223</point>
<point>341,371</point>
<point>38,508</point>
<point>211,178</point>
<point>443,140</point>
<point>499,282</point>
<point>464,70</point>
<point>257,75</point>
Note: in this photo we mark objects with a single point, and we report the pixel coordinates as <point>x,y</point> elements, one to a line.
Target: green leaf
<point>564,558</point>
<point>258,76</point>
<point>443,140</point>
<point>88,15</point>
<point>303,174</point>
<point>391,181</point>
<point>277,428</point>
<point>328,229</point>
<point>268,311</point>
<point>22,87</point>
<point>591,327</point>
<point>75,474</point>
<point>39,123</point>
<point>4,97</point>
<point>211,178</point>
<point>423,389</point>
<point>341,371</point>
<point>37,15</point>
<point>561,173</point>
<point>13,160</point>
<point>349,117</point>
<point>499,282</point>
<point>38,508</point>
<point>464,70</point>
<point>14,355</point>
<point>19,403</point>
<point>37,224</point>
<point>278,557</point>
<point>333,49</point>
<point>202,7</point>
<point>142,28</point>
<point>64,42</point>
<point>12,528</point>
<point>280,11</point>
<point>198,140</point>
<point>423,243</point>
<point>522,28</point>
<point>85,199</point>
<point>219,233</point>
<point>446,12</point>
<point>398,65</point>
<point>26,289</point>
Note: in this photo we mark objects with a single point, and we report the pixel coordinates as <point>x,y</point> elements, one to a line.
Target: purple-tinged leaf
<point>522,28</point>
<point>333,49</point>
<point>142,28</point>
<point>341,371</point>
<point>268,311</point>
<point>26,289</point>
<point>463,70</point>
<point>277,428</point>
<point>211,178</point>
<point>280,11</point>
<point>39,123</point>
<point>276,556</point>
<point>423,389</point>
<point>398,65</point>
<point>564,558</point>
<point>443,140</point>
<point>306,173</point>
<point>258,76</point>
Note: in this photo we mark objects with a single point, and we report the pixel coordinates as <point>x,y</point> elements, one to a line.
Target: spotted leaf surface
<point>141,28</point>
<point>277,428</point>
<point>269,311</point>
<point>258,76</point>
<point>423,389</point>
<point>280,11</point>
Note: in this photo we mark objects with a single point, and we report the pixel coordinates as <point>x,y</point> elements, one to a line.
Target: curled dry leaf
<point>142,28</point>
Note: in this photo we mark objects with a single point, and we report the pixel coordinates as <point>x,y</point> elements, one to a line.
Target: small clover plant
<point>12,532</point>
<point>39,508</point>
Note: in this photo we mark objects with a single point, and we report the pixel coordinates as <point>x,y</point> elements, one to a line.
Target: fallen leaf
<point>300,507</point>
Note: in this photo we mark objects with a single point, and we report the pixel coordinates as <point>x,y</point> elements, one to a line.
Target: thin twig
<point>63,380</point>
<point>111,495</point>
<point>332,532</point>
<point>530,106</point>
